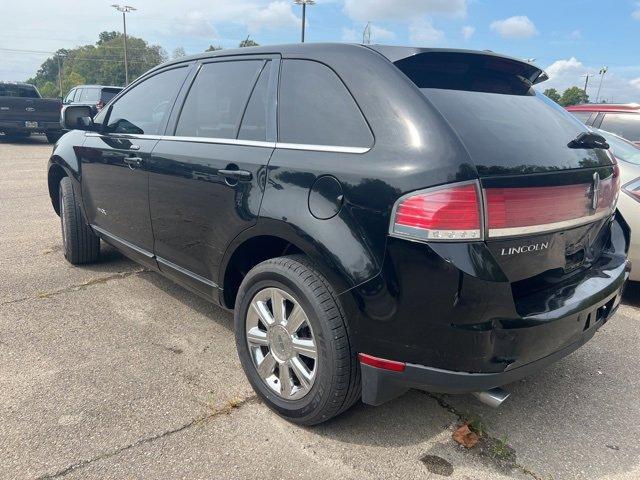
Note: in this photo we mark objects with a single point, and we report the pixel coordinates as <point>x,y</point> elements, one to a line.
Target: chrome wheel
<point>281,343</point>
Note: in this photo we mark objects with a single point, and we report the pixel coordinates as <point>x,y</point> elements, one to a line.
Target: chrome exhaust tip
<point>493,397</point>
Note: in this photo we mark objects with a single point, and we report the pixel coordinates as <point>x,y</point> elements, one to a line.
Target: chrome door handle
<point>133,162</point>
<point>240,175</point>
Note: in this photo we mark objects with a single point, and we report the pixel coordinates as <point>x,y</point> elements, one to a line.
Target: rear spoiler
<point>515,66</point>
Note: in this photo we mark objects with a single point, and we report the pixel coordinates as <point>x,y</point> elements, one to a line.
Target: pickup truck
<point>23,112</point>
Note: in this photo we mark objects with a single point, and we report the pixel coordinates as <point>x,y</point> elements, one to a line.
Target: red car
<point>621,119</point>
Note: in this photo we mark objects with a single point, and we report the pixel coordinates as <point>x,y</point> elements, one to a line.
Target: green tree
<point>553,94</point>
<point>72,80</point>
<point>247,42</point>
<point>101,63</point>
<point>573,96</point>
<point>213,48</point>
<point>178,53</point>
<point>49,90</point>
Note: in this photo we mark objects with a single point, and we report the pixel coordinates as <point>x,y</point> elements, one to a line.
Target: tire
<point>53,137</point>
<point>80,244</point>
<point>335,384</point>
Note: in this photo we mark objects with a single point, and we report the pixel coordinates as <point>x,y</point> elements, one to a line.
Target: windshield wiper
<point>588,140</point>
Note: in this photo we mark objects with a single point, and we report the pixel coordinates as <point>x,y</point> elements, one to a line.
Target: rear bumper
<point>19,126</point>
<point>380,386</point>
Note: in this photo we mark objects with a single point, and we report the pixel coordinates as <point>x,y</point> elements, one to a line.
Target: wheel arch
<point>270,239</point>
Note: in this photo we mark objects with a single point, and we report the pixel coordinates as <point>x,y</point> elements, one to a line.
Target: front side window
<point>627,125</point>
<point>582,116</point>
<point>217,98</point>
<point>315,108</point>
<point>144,108</point>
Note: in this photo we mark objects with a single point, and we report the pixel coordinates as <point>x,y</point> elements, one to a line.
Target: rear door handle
<point>133,162</point>
<point>240,175</point>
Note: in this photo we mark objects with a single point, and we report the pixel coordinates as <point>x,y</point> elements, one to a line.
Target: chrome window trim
<point>547,227</point>
<point>246,143</point>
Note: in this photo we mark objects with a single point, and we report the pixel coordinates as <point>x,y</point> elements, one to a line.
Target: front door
<point>206,180</point>
<point>115,182</point>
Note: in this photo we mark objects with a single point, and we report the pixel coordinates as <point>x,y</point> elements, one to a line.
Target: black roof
<point>391,52</point>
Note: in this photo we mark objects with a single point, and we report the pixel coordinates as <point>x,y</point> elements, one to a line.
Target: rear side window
<point>90,95</point>
<point>144,108</point>
<point>254,121</point>
<point>315,108</point>
<point>217,98</point>
<point>627,125</point>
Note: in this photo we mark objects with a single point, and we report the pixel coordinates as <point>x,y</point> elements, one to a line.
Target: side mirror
<point>76,117</point>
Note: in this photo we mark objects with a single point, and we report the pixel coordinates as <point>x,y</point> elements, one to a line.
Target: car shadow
<point>631,295</point>
<point>30,140</point>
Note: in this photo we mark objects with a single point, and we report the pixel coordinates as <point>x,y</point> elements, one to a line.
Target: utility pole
<point>125,9</point>
<point>602,71</point>
<point>366,35</point>
<point>59,75</point>
<point>304,4</point>
<point>586,82</point>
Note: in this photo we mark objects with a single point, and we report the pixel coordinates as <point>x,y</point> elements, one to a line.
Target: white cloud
<point>514,27</point>
<point>365,10</point>
<point>423,33</point>
<point>575,35</point>
<point>275,15</point>
<point>616,86</point>
<point>565,67</point>
<point>468,31</point>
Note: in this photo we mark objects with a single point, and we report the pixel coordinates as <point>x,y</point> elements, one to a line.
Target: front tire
<point>80,244</point>
<point>293,343</point>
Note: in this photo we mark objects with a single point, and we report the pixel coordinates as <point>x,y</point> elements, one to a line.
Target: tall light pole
<point>602,71</point>
<point>304,4</point>
<point>125,9</point>
<point>58,56</point>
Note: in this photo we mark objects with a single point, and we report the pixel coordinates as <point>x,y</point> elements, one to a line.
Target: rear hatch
<point>544,206</point>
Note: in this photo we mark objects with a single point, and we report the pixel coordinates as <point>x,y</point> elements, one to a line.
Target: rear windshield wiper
<point>588,140</point>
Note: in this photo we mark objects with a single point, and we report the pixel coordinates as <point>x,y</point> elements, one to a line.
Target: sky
<point>567,38</point>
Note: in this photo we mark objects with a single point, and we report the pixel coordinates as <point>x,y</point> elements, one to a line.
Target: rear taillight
<point>456,213</point>
<point>450,213</point>
<point>633,189</point>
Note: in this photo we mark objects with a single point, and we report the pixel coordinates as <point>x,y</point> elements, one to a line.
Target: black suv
<point>378,218</point>
<point>93,96</point>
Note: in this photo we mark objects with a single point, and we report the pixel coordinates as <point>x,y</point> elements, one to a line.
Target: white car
<point>628,156</point>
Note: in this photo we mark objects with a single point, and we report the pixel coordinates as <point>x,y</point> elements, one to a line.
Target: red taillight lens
<point>381,363</point>
<point>633,189</point>
<point>443,213</point>
<point>517,211</point>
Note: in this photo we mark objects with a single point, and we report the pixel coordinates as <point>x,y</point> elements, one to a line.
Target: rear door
<point>207,173</point>
<point>115,182</point>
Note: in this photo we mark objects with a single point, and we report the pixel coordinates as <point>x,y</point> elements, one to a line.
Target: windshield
<point>621,148</point>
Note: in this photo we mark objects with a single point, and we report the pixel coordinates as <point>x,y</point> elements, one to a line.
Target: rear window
<point>109,93</point>
<point>14,90</point>
<point>505,125</point>
<point>627,125</point>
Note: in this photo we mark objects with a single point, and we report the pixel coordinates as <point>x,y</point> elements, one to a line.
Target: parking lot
<point>111,371</point>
